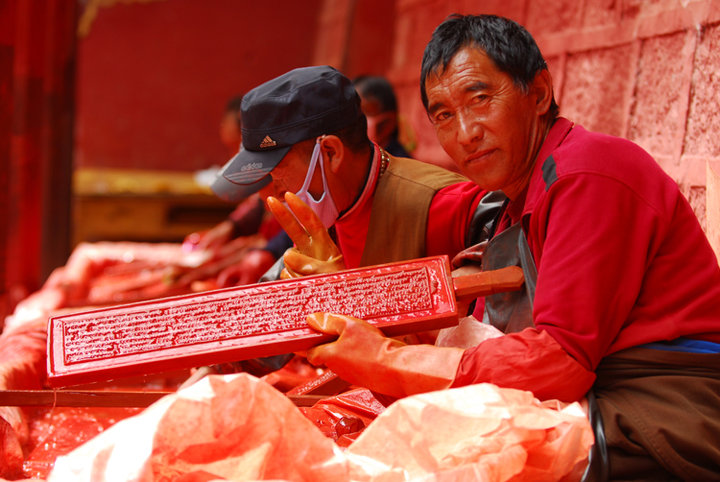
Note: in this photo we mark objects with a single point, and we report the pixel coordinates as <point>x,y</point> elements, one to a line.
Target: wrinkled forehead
<point>467,65</point>
<point>469,50</point>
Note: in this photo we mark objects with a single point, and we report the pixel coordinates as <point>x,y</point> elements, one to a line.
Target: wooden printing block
<point>245,322</point>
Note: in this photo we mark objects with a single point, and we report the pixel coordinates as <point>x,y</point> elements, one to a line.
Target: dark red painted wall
<point>371,38</point>
<point>37,54</point>
<point>153,77</point>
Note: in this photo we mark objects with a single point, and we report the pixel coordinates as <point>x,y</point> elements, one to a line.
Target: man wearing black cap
<point>382,208</point>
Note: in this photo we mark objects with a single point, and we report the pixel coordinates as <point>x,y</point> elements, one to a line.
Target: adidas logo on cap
<point>251,167</point>
<point>267,142</point>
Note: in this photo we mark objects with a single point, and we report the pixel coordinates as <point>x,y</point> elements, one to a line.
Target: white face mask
<point>325,206</point>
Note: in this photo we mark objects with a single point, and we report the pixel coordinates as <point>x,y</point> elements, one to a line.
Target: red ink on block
<point>245,322</point>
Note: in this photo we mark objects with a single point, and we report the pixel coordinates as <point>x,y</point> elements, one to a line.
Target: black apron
<point>512,311</point>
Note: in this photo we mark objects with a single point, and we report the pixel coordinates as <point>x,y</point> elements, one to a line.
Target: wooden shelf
<point>144,206</point>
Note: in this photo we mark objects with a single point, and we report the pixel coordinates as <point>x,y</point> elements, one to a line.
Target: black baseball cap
<point>299,105</point>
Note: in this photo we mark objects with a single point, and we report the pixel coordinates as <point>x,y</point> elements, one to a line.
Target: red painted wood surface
<point>245,322</point>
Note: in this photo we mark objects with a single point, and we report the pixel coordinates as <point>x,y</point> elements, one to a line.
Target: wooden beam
<point>103,398</point>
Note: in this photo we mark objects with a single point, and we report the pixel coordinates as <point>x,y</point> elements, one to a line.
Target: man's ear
<point>542,89</point>
<point>334,151</point>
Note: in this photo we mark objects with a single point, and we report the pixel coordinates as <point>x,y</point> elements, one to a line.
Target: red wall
<point>37,54</point>
<point>153,77</point>
<point>647,71</point>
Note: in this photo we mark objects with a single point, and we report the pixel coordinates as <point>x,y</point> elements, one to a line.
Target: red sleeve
<point>449,217</point>
<point>593,261</point>
<point>529,360</point>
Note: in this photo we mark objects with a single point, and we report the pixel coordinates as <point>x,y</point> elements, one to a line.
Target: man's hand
<point>248,270</point>
<point>213,238</point>
<point>363,356</point>
<point>314,251</point>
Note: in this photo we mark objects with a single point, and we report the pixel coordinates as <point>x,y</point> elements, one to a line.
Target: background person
<point>247,219</point>
<point>379,104</point>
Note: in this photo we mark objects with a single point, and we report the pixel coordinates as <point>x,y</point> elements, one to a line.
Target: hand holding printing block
<point>363,356</point>
<point>314,251</point>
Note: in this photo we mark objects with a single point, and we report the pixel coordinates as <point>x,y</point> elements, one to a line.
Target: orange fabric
<point>479,432</point>
<point>223,427</point>
<point>236,427</point>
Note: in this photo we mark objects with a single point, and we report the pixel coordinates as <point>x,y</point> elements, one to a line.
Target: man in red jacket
<point>623,290</point>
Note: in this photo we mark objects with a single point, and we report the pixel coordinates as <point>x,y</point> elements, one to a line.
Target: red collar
<point>536,187</point>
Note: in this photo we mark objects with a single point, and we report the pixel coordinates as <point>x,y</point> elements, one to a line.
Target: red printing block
<point>245,322</point>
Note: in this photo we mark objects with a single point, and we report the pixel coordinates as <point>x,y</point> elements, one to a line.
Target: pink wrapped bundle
<point>224,427</point>
<point>22,363</point>
<point>478,432</point>
<point>236,427</point>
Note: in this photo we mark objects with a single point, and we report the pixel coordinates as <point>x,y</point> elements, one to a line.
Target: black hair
<point>378,88</point>
<point>507,43</point>
<point>355,135</point>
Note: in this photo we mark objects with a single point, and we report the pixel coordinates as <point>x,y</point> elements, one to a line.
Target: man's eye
<point>479,98</point>
<point>441,116</point>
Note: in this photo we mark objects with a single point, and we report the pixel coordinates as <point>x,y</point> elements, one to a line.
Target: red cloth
<point>449,216</point>
<point>621,258</point>
<point>544,368</point>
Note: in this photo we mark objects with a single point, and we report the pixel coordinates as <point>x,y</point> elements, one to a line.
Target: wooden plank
<point>245,322</point>
<point>486,283</point>
<point>103,398</point>
<point>79,398</point>
<point>326,384</point>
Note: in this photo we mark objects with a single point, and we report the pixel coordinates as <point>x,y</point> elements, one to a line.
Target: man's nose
<point>469,129</point>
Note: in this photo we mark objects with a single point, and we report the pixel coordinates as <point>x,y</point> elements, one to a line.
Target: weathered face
<point>290,173</point>
<point>486,123</point>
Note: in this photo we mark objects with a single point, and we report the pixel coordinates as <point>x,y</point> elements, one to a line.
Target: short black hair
<point>378,88</point>
<point>506,42</point>
<point>355,135</point>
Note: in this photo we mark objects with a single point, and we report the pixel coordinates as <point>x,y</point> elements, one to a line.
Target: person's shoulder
<point>421,172</point>
<point>413,167</point>
<point>584,151</point>
<point>588,159</point>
